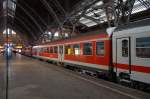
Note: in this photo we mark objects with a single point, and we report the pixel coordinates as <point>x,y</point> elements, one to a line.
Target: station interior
<point>74,49</point>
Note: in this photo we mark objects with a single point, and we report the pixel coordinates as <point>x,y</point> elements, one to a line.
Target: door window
<point>125,48</point>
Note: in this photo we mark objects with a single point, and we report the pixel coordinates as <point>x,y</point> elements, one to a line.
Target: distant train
<point>123,52</point>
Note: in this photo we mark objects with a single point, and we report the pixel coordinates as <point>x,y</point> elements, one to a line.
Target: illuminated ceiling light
<point>13,32</point>
<point>90,14</point>
<point>99,3</point>
<point>66,34</point>
<point>49,33</point>
<point>9,31</point>
<point>56,34</point>
<point>82,18</point>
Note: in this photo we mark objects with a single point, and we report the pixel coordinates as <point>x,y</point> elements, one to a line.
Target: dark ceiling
<point>32,17</point>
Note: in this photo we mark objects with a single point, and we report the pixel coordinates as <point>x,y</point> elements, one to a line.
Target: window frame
<point>140,47</point>
<point>96,49</point>
<point>128,49</point>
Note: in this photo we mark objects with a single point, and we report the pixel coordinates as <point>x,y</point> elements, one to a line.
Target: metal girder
<point>82,9</point>
<point>34,12</point>
<point>83,5</point>
<point>59,7</point>
<point>123,11</point>
<point>29,29</point>
<point>31,17</point>
<point>51,11</point>
<point>145,3</point>
<point>90,18</point>
<point>33,28</point>
<point>63,14</point>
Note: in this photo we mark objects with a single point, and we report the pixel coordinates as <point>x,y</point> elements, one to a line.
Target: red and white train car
<point>131,51</point>
<point>92,51</point>
<point>125,52</point>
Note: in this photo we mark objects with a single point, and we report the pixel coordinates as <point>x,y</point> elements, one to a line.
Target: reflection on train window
<point>100,48</point>
<point>55,49</point>
<point>143,47</point>
<point>69,50</point>
<point>125,48</point>
<point>76,48</point>
<point>87,49</point>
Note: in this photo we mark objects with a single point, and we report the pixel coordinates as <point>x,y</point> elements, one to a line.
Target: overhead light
<point>9,31</point>
<point>99,3</point>
<point>49,33</point>
<point>56,34</point>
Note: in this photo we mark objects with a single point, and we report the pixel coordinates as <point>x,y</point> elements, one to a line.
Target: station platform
<point>33,79</point>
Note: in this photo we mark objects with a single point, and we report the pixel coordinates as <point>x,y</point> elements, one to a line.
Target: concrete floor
<point>33,79</point>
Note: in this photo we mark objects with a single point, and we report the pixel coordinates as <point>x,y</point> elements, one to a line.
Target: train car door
<point>123,57</point>
<point>61,53</point>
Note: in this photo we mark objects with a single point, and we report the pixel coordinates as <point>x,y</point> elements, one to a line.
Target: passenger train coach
<point>124,52</point>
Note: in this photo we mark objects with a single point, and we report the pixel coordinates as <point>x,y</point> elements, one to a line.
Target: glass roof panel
<point>90,24</point>
<point>84,20</point>
<point>87,22</point>
<point>138,7</point>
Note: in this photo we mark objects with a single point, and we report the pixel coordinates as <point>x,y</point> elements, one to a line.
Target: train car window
<point>69,50</point>
<point>87,49</point>
<point>143,47</point>
<point>124,48</point>
<point>47,50</point>
<point>44,50</point>
<point>40,50</point>
<point>55,49</point>
<point>76,48</point>
<point>51,50</point>
<point>66,49</point>
<point>100,48</point>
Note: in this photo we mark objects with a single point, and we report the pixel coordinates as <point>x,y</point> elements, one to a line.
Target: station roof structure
<point>33,18</point>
